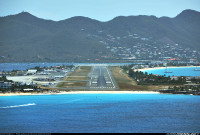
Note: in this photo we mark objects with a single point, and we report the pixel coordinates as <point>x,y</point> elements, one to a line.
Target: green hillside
<point>26,38</point>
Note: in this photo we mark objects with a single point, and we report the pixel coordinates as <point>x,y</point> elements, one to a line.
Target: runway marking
<point>99,73</point>
<point>110,77</point>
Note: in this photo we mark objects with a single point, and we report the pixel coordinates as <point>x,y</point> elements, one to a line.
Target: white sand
<point>155,68</point>
<point>82,92</point>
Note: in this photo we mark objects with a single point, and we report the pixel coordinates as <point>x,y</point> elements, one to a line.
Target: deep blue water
<point>100,113</point>
<point>182,71</point>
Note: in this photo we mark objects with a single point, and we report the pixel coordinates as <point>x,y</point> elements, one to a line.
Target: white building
<point>32,71</point>
<point>28,89</point>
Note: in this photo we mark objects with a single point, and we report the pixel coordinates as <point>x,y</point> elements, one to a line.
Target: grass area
<point>127,83</point>
<point>81,71</point>
<point>72,84</point>
<point>78,78</point>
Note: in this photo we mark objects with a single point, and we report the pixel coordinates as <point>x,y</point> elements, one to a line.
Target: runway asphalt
<point>101,78</point>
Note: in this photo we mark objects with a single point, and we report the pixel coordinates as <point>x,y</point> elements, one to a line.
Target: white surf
<point>14,106</point>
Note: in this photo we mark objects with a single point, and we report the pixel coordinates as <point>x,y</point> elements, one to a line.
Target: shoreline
<point>81,92</point>
<point>146,69</point>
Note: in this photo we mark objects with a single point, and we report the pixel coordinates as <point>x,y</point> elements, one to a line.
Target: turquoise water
<point>182,71</point>
<point>100,113</point>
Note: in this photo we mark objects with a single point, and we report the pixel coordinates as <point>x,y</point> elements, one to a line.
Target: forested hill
<point>27,38</point>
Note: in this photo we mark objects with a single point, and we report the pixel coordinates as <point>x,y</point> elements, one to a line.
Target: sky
<point>102,10</point>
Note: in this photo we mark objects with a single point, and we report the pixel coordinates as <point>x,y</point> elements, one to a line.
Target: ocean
<point>100,113</point>
<point>180,71</point>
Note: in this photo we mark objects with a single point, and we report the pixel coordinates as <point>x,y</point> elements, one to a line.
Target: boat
<point>196,69</point>
<point>167,71</point>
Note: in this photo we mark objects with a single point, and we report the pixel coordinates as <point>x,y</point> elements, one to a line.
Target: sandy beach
<point>155,68</point>
<point>82,92</point>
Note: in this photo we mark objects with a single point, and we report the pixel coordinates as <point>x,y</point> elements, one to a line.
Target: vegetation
<point>78,38</point>
<point>150,79</point>
<point>58,67</point>
<point>185,88</point>
<point>72,84</point>
<point>16,86</point>
<point>126,82</point>
<point>4,79</point>
<point>78,78</point>
<point>195,80</point>
<point>178,86</point>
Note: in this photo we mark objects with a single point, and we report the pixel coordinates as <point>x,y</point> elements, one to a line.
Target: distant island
<point>27,38</point>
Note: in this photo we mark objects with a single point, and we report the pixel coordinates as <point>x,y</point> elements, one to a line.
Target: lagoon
<point>25,66</point>
<point>176,71</point>
<point>100,113</point>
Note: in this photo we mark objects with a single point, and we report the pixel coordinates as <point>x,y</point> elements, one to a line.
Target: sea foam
<point>29,104</point>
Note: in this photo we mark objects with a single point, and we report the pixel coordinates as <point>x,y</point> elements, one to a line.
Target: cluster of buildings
<point>133,46</point>
<point>18,86</point>
<point>149,50</point>
<point>34,78</point>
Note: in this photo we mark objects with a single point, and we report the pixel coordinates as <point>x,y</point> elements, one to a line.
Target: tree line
<point>185,88</point>
<point>150,79</point>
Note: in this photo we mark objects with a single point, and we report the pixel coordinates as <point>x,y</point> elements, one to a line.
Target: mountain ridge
<point>25,32</point>
<point>186,11</point>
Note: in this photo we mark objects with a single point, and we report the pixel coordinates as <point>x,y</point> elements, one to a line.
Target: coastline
<point>81,92</point>
<point>96,92</point>
<point>145,69</point>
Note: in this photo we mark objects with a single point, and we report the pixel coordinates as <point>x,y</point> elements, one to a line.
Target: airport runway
<point>101,78</point>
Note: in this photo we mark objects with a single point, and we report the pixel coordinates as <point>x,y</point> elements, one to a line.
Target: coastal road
<point>101,78</point>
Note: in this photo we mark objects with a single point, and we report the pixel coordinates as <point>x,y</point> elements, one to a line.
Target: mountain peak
<point>24,13</point>
<point>82,18</point>
<point>188,12</point>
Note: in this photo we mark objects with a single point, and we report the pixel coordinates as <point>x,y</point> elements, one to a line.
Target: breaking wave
<point>30,104</point>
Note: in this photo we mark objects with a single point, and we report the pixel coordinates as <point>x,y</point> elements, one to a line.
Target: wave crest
<point>29,104</point>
